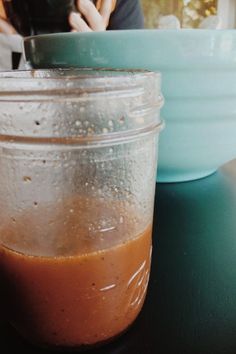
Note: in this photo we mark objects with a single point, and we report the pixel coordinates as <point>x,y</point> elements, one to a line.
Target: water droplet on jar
<point>122,120</point>
<point>140,120</point>
<point>90,131</point>
<point>27,179</point>
<point>105,130</point>
<point>77,123</point>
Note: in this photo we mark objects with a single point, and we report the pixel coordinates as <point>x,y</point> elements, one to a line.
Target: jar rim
<point>52,106</point>
<point>71,80</point>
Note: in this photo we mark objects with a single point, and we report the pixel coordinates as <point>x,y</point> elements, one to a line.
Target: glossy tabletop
<point>191,301</point>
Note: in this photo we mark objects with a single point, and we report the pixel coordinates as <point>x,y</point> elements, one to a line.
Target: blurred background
<point>190,13</point>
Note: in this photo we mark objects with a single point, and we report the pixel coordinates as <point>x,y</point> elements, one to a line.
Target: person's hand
<point>6,27</point>
<point>96,18</point>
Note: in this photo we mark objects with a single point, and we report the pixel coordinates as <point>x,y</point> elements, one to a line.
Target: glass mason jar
<point>78,165</point>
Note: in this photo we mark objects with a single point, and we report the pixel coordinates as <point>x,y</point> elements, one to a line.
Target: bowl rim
<point>177,33</point>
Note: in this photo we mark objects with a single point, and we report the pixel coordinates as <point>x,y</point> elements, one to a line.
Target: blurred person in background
<point>81,15</point>
<point>32,17</point>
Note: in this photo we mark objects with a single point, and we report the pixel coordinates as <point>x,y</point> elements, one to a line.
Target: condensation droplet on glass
<point>82,109</point>
<point>105,130</point>
<point>13,220</point>
<point>90,131</point>
<point>122,120</point>
<point>121,220</point>
<point>77,123</point>
<point>110,123</point>
<point>140,120</point>
<point>92,188</point>
<point>71,210</point>
<point>27,179</point>
<point>86,184</point>
<point>103,222</point>
<point>111,150</point>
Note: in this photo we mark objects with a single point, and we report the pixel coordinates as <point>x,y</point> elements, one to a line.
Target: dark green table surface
<point>191,301</point>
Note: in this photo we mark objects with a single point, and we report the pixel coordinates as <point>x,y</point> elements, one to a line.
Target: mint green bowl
<point>199,85</point>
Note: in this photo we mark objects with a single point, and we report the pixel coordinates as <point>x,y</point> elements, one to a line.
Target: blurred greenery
<point>189,12</point>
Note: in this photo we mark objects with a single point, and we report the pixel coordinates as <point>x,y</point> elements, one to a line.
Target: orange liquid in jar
<point>80,299</point>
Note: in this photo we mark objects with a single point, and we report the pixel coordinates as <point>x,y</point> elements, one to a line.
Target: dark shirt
<point>127,15</point>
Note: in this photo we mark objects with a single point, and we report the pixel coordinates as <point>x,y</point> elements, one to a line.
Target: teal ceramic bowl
<point>199,85</point>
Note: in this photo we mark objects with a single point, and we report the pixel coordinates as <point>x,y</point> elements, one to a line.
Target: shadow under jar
<point>78,162</point>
